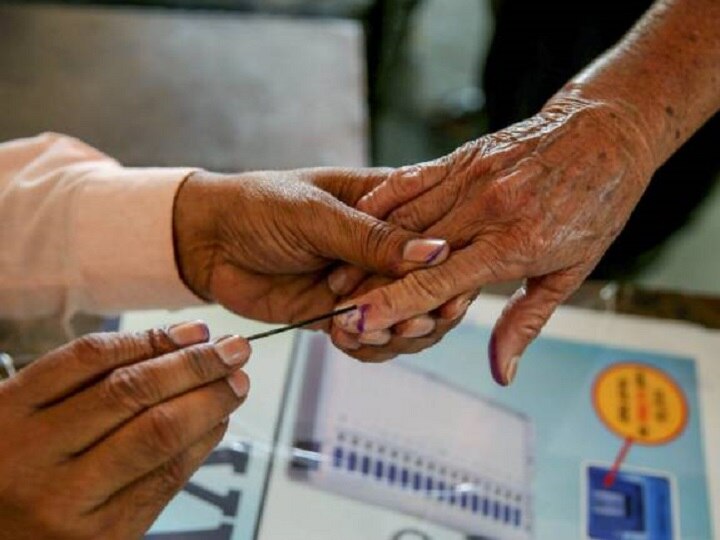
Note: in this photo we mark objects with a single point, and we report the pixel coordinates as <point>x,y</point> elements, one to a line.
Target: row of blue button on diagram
<point>416,481</point>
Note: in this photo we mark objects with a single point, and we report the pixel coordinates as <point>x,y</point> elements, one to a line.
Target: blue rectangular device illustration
<point>636,506</point>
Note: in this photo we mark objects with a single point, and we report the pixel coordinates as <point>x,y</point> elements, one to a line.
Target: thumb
<point>524,316</point>
<point>357,238</point>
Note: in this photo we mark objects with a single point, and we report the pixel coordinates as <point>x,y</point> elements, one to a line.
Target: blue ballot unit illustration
<point>639,505</point>
<point>364,433</point>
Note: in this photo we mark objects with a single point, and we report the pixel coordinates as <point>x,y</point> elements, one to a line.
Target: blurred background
<point>247,84</point>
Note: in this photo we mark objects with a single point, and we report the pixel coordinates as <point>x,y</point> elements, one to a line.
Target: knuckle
<point>92,346</point>
<point>553,294</point>
<point>407,183</point>
<point>368,204</point>
<point>534,317</point>
<point>156,342</point>
<point>429,285</point>
<point>164,431</point>
<point>109,347</point>
<point>173,474</point>
<point>531,325</point>
<point>376,238</point>
<point>385,299</point>
<point>131,388</point>
<point>200,362</point>
<point>408,217</point>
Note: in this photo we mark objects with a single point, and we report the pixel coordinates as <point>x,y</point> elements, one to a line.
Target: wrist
<point>618,119</point>
<point>195,232</point>
<point>635,117</point>
<point>660,74</point>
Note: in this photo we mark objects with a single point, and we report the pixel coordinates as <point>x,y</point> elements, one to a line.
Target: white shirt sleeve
<point>81,233</point>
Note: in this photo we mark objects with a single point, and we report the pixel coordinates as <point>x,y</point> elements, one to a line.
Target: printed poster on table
<point>591,441</point>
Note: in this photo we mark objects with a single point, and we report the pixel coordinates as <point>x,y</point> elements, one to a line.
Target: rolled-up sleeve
<point>81,233</point>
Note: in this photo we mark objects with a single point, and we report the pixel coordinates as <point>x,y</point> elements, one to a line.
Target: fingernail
<point>419,326</point>
<point>462,308</point>
<point>377,338</point>
<point>188,333</point>
<point>493,358</point>
<point>239,383</point>
<point>336,281</point>
<point>459,309</point>
<point>353,321</point>
<point>428,251</point>
<point>511,369</point>
<point>232,350</point>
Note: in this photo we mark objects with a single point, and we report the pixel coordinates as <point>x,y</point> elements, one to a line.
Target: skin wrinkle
<point>546,186</point>
<point>550,207</point>
<point>406,177</point>
<point>112,472</point>
<point>672,68</point>
<point>397,343</point>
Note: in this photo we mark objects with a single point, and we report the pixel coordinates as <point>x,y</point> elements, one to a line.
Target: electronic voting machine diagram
<point>592,442</point>
<point>397,437</point>
<point>608,451</point>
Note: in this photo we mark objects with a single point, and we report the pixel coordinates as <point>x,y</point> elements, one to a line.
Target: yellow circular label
<point>640,402</point>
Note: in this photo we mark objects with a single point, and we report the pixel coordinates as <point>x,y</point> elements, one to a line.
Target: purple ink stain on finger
<point>435,254</point>
<point>362,310</point>
<point>494,363</point>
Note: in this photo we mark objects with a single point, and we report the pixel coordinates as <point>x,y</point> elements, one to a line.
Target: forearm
<point>665,74</point>
<point>79,232</point>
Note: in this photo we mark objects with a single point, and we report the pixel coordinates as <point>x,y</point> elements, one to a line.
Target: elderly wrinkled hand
<point>541,200</point>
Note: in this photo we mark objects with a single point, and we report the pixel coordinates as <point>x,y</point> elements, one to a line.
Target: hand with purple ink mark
<point>262,243</point>
<point>541,200</point>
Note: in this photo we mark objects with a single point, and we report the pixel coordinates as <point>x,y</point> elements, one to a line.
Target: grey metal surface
<point>154,87</point>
